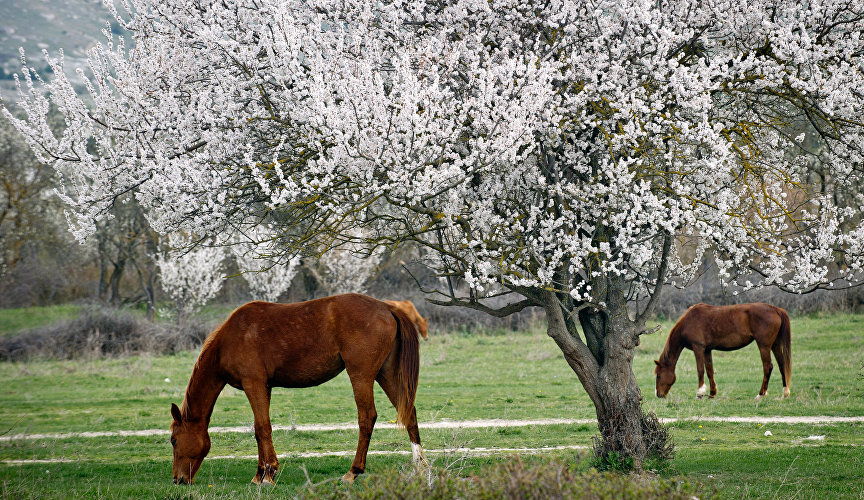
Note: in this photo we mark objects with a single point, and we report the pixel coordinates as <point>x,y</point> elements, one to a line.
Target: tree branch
<point>661,278</point>
<point>507,310</point>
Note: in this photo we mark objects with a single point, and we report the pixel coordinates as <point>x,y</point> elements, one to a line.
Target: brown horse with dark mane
<point>705,328</point>
<point>264,345</point>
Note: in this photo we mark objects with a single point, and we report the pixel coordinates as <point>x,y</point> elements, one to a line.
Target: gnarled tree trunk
<point>603,364</point>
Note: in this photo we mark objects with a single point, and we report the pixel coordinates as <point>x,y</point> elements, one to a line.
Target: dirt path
<point>444,424</point>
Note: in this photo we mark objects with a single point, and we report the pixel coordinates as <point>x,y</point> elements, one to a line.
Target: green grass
<point>463,377</point>
<point>14,320</point>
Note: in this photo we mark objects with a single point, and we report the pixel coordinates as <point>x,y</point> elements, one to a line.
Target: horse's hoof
<point>348,477</point>
<point>759,396</point>
<point>268,480</point>
<point>418,457</point>
<point>786,392</point>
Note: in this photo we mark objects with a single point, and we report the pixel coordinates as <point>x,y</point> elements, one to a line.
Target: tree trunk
<point>103,267</point>
<point>605,371</point>
<point>114,280</point>
<point>618,405</point>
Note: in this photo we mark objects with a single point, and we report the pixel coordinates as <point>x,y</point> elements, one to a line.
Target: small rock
<point>167,379</point>
<point>768,433</point>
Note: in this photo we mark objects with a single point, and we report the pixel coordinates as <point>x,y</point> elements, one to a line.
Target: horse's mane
<point>664,356</point>
<point>205,355</point>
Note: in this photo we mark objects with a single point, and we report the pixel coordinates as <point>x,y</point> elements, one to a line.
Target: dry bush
<point>101,332</point>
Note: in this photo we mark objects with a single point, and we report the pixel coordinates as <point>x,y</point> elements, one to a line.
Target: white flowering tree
<point>259,263</point>
<point>190,275</point>
<point>577,155</point>
<point>267,280</point>
<point>348,267</point>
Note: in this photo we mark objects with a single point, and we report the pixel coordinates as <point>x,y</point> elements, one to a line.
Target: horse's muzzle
<point>181,480</point>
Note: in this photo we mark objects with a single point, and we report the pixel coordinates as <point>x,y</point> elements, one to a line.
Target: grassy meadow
<point>16,319</point>
<point>463,377</point>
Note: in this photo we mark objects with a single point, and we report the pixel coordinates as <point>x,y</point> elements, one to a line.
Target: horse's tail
<point>409,366</point>
<point>784,342</point>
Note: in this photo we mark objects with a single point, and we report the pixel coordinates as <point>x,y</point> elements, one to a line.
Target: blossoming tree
<point>259,262</point>
<point>349,267</point>
<point>191,275</point>
<point>577,155</point>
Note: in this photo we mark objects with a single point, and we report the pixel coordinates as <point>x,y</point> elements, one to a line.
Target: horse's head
<point>665,378</point>
<point>407,307</point>
<point>422,326</point>
<point>191,444</point>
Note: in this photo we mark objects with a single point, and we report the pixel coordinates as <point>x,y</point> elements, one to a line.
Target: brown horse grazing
<point>264,345</point>
<point>407,307</point>
<point>704,328</point>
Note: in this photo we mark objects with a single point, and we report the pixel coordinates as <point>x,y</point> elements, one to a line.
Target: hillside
<point>73,25</point>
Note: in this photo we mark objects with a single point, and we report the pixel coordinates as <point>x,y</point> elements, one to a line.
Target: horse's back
<point>730,327</point>
<point>306,343</point>
<point>765,320</point>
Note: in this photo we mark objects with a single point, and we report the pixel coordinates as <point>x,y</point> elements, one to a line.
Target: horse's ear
<point>657,362</point>
<point>175,412</point>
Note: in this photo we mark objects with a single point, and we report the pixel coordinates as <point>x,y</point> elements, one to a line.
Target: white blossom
<point>190,276</point>
<point>268,277</point>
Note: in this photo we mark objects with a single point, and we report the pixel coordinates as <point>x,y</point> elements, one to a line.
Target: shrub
<point>100,332</point>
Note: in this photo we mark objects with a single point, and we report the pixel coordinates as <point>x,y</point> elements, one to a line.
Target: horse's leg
<point>699,351</point>
<point>765,353</point>
<point>781,364</point>
<point>366,416</point>
<point>709,369</point>
<point>259,398</point>
<point>388,383</point>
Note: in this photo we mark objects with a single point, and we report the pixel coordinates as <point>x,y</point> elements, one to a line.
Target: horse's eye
<point>173,441</point>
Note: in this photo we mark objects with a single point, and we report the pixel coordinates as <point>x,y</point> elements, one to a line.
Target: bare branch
<point>661,278</point>
<point>507,310</point>
<point>649,331</point>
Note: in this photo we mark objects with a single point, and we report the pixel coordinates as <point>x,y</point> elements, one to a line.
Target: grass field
<point>463,377</point>
<point>16,319</point>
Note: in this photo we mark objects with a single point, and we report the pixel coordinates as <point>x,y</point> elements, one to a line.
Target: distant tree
<point>25,202</point>
<point>190,275</point>
<point>348,267</point>
<point>125,243</point>
<point>267,277</point>
<point>568,154</point>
